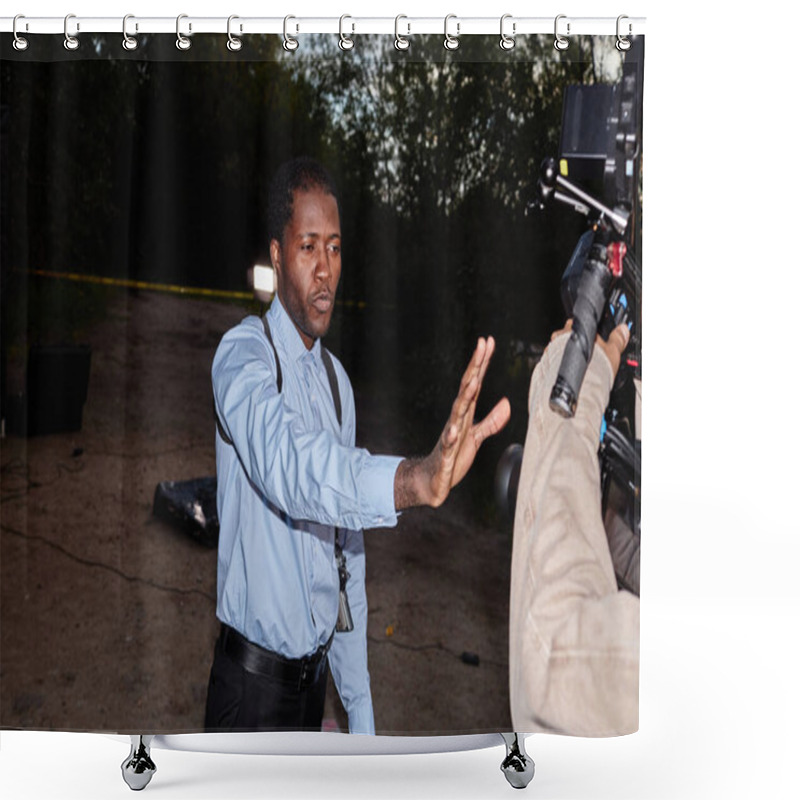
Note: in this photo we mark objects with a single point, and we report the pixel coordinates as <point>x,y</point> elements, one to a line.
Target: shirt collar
<point>285,331</point>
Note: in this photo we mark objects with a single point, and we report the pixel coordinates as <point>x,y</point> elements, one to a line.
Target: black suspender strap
<point>268,334</point>
<point>222,435</point>
<point>334,382</point>
<point>329,369</point>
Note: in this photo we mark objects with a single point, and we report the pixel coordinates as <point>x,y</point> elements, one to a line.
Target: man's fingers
<point>566,329</point>
<point>473,368</point>
<point>461,405</point>
<point>493,422</point>
<point>483,365</point>
<point>472,379</point>
<point>461,439</point>
<point>620,337</point>
<point>487,357</point>
<point>617,342</point>
<point>450,435</point>
<point>463,409</point>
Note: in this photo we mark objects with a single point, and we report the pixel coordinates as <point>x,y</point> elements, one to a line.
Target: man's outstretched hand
<point>428,481</point>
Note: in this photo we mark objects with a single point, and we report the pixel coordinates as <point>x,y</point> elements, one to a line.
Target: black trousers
<point>239,700</point>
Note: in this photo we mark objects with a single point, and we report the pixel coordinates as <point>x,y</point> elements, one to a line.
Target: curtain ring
<point>234,43</point>
<point>20,42</point>
<point>400,42</point>
<point>70,42</point>
<point>507,42</point>
<point>290,44</point>
<point>451,42</point>
<point>182,42</point>
<point>623,43</point>
<point>345,42</point>
<point>129,42</point>
<point>561,42</point>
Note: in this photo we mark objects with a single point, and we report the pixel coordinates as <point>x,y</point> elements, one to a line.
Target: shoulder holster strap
<point>329,369</point>
<point>334,382</point>
<point>268,334</point>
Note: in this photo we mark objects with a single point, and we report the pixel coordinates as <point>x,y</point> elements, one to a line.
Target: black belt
<point>301,672</point>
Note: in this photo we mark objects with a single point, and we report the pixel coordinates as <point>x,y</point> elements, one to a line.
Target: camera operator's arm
<point>428,481</point>
<point>574,638</point>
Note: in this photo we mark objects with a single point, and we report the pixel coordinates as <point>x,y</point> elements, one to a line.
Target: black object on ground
<point>57,384</point>
<point>190,506</point>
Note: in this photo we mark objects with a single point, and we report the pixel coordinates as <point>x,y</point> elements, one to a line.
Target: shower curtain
<point>134,218</point>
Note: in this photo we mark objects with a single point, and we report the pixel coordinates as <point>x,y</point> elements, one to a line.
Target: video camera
<point>601,287</point>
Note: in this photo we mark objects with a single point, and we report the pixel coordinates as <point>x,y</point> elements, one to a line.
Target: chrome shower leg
<point>138,768</point>
<point>518,766</point>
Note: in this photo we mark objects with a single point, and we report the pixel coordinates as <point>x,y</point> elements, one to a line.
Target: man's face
<point>309,262</point>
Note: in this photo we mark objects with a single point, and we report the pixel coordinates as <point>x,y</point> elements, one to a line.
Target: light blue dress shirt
<point>289,479</point>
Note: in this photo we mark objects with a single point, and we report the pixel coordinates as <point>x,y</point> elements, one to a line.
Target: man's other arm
<point>574,638</point>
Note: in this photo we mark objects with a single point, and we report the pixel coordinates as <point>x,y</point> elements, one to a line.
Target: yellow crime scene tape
<point>163,287</point>
<point>145,285</point>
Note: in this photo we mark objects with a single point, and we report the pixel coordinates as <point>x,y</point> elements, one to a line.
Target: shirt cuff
<point>376,491</point>
<point>360,719</point>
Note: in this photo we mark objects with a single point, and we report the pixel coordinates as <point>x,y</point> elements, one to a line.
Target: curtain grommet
<point>71,43</point>
<point>451,42</point>
<point>234,44</point>
<point>20,42</point>
<point>561,42</point>
<point>290,44</point>
<point>345,42</point>
<point>507,42</point>
<point>128,42</point>
<point>400,42</point>
<point>182,42</point>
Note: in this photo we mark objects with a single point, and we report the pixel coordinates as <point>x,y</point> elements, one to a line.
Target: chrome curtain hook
<point>451,42</point>
<point>128,42</point>
<point>182,42</point>
<point>20,42</point>
<point>561,42</point>
<point>400,42</point>
<point>507,42</point>
<point>623,43</point>
<point>234,43</point>
<point>290,44</point>
<point>70,42</point>
<point>345,42</point>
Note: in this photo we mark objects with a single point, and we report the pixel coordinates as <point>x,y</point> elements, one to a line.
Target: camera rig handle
<point>601,267</point>
<point>574,196</point>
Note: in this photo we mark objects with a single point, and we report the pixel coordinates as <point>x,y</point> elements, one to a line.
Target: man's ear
<point>275,257</point>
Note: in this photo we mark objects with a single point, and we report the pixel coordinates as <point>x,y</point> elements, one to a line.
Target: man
<point>293,491</point>
<point>574,637</point>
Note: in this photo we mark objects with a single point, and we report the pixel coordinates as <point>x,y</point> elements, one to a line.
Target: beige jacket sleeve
<point>574,638</point>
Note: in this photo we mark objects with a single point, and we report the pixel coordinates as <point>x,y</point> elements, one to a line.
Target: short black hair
<point>302,174</point>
